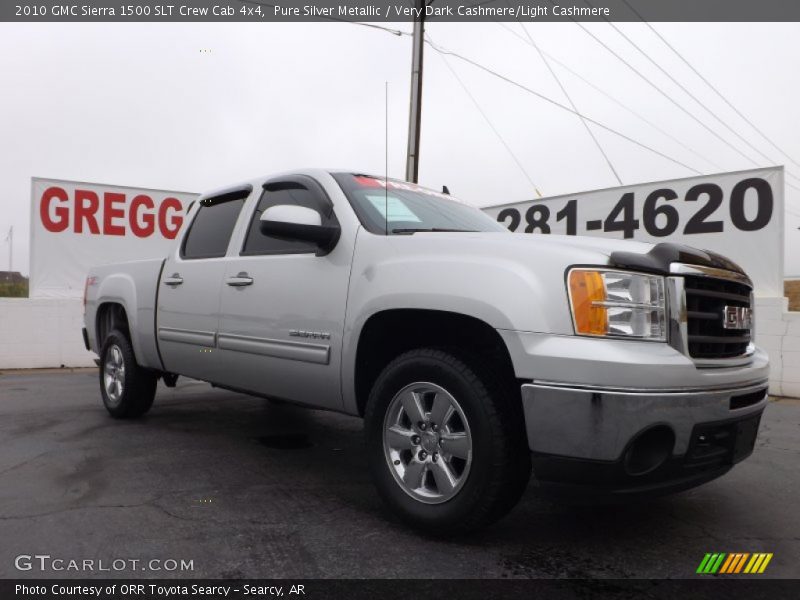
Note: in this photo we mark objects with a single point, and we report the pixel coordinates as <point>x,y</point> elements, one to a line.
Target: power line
<point>489,122</point>
<point>571,102</point>
<point>689,93</point>
<point>443,51</point>
<point>668,97</point>
<point>710,85</point>
<point>623,105</point>
<point>615,100</point>
<point>477,65</point>
<point>659,90</point>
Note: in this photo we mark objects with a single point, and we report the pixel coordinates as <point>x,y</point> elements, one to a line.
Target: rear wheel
<point>128,390</point>
<point>446,448</point>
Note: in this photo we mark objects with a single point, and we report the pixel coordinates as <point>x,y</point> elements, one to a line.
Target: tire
<point>128,390</point>
<point>488,466</point>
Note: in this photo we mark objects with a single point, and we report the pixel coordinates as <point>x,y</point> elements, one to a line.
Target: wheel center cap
<point>430,441</point>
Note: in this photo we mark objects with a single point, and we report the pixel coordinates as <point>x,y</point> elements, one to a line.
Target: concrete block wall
<point>40,333</point>
<point>778,332</point>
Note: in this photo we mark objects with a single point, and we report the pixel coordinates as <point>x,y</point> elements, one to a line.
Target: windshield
<point>407,208</point>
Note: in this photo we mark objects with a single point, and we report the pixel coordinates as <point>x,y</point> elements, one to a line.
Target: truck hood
<point>626,254</point>
<point>592,249</point>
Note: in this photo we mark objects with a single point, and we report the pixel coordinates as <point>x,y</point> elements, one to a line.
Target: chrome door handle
<point>173,280</point>
<point>240,280</point>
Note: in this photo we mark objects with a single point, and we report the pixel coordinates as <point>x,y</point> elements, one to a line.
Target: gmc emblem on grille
<point>736,317</point>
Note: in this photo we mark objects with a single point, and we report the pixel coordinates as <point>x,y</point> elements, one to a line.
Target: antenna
<point>386,158</point>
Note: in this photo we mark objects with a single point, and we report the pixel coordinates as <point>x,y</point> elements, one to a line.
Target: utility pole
<point>415,110</point>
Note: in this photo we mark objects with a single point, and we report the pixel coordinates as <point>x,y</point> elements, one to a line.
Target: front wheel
<point>127,389</point>
<point>445,439</point>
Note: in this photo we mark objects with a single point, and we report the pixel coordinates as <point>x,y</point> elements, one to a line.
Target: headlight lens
<point>618,304</point>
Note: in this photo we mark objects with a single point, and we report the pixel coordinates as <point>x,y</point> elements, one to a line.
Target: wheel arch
<point>111,315</point>
<point>389,333</point>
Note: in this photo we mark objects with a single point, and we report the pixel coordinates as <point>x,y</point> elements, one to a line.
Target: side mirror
<point>298,223</point>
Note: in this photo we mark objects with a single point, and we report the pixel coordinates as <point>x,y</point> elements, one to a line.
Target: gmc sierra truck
<point>474,355</point>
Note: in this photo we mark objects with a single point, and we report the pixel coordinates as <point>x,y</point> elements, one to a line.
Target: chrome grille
<point>706,302</point>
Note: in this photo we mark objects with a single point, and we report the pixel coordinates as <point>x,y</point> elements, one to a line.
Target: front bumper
<point>639,441</point>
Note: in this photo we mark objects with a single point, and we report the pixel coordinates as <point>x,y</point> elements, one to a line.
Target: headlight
<point>617,304</point>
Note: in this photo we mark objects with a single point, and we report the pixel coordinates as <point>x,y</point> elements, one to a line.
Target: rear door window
<point>211,229</point>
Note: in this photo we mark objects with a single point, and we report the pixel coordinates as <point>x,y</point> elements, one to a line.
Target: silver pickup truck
<point>614,368</point>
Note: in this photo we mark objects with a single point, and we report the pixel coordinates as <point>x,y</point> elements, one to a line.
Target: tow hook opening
<point>649,450</point>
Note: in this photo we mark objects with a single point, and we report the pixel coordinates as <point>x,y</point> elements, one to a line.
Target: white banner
<point>75,226</point>
<point>738,215</point>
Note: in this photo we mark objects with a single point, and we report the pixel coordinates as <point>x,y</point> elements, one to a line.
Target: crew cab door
<point>189,290</point>
<point>282,307</point>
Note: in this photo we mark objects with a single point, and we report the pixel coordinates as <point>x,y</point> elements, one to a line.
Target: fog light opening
<point>649,450</point>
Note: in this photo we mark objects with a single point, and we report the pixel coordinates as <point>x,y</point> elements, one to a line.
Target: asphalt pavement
<point>241,487</point>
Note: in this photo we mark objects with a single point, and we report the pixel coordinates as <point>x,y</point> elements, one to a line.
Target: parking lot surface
<point>246,488</point>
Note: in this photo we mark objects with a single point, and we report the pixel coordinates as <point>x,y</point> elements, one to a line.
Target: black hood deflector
<point>663,255</point>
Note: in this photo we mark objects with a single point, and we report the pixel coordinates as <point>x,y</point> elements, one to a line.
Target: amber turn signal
<point>588,292</point>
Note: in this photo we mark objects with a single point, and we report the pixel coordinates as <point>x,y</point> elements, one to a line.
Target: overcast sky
<point>142,105</point>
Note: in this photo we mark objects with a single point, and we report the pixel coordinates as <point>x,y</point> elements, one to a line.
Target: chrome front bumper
<point>598,423</point>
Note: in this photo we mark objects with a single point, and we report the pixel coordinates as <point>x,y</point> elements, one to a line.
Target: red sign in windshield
<point>374,182</point>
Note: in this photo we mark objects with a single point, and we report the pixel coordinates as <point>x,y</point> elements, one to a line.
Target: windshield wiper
<point>410,230</point>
